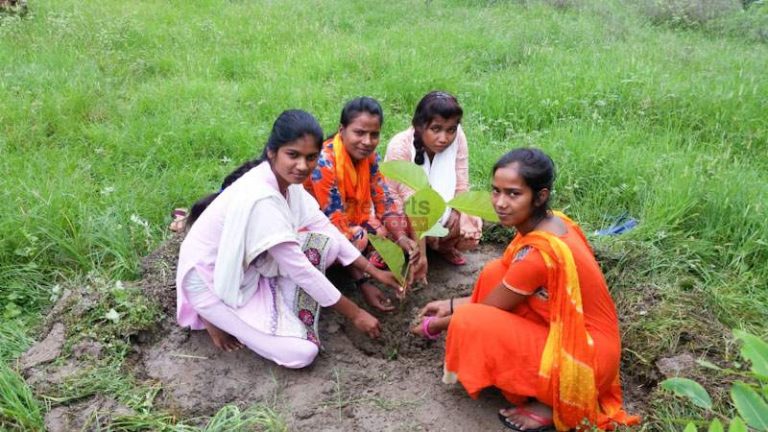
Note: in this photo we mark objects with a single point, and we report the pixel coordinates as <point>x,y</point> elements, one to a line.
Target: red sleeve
<point>527,273</point>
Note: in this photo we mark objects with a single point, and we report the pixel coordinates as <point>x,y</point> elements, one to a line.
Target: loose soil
<point>389,384</point>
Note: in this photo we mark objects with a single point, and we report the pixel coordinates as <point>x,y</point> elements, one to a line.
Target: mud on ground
<point>389,384</point>
<point>393,383</point>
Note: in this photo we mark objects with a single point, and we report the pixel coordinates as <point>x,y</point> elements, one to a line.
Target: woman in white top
<point>251,268</point>
<point>436,142</point>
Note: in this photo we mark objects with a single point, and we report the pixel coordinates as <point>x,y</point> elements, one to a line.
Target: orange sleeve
<point>526,273</point>
<point>323,186</point>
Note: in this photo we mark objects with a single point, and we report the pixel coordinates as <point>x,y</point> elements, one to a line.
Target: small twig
<point>189,356</point>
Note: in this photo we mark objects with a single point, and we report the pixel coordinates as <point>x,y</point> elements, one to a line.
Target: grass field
<point>112,113</point>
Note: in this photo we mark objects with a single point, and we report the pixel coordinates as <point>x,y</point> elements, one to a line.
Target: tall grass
<point>112,113</point>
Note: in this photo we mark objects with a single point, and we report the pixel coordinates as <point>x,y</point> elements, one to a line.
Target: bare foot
<point>532,416</point>
<point>222,339</point>
<point>454,257</point>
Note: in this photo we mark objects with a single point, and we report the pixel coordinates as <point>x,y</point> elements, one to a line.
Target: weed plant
<point>113,113</point>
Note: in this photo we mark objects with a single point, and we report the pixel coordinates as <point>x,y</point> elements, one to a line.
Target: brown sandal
<point>179,220</point>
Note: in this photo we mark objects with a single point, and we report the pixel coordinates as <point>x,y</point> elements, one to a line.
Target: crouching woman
<point>540,324</point>
<point>251,268</point>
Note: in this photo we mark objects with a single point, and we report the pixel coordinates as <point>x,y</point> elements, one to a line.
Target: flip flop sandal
<point>546,424</point>
<point>178,220</point>
<point>377,261</point>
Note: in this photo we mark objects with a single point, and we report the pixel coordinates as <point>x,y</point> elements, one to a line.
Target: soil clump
<point>393,383</point>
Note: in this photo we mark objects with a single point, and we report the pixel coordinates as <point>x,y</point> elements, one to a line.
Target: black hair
<point>289,126</point>
<point>435,103</point>
<point>537,170</point>
<point>359,105</point>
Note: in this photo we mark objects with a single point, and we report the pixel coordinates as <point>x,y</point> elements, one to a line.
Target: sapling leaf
<point>424,209</point>
<point>737,425</point>
<point>689,389</point>
<point>755,350</point>
<point>407,173</point>
<point>475,203</point>
<point>750,405</point>
<point>391,254</point>
<point>690,427</point>
<point>437,230</point>
<point>715,426</point>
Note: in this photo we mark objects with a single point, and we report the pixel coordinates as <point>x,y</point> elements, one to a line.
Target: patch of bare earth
<point>356,383</point>
<point>389,384</point>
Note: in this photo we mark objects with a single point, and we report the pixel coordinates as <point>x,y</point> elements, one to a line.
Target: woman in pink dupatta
<point>436,142</point>
<point>251,267</point>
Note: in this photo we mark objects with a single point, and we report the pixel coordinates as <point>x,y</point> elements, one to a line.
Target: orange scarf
<point>567,373</point>
<point>354,182</point>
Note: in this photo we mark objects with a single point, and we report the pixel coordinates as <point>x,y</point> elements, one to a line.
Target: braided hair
<point>435,103</point>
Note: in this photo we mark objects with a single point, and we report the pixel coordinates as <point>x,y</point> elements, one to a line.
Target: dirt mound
<point>355,384</point>
<point>393,383</point>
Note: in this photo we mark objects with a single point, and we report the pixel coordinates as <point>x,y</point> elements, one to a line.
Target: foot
<point>534,416</point>
<point>377,261</point>
<point>375,298</point>
<point>222,339</point>
<point>179,220</point>
<point>454,257</point>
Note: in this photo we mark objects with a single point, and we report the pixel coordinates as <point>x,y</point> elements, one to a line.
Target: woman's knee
<point>297,355</point>
<point>331,250</point>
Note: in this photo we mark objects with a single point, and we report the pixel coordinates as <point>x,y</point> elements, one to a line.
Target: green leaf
<point>437,230</point>
<point>755,350</point>
<point>689,389</point>
<point>407,173</point>
<point>475,203</point>
<point>737,425</point>
<point>690,427</point>
<point>391,254</point>
<point>715,426</point>
<point>750,405</point>
<point>424,209</point>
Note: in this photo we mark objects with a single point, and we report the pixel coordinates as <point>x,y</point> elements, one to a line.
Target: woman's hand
<point>437,308</point>
<point>367,324</point>
<point>375,298</point>
<point>453,222</point>
<point>410,247</point>
<point>435,327</point>
<point>388,279</point>
<point>418,272</point>
<point>418,328</point>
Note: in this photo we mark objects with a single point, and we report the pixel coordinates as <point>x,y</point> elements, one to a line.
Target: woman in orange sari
<point>353,194</point>
<point>540,324</point>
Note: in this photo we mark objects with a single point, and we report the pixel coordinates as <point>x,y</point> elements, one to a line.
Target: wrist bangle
<point>367,264</point>
<point>425,327</point>
<point>451,305</point>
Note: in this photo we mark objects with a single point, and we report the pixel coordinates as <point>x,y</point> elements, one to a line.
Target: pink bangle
<point>425,328</point>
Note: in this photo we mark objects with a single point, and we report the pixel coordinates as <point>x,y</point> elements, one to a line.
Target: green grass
<point>112,113</point>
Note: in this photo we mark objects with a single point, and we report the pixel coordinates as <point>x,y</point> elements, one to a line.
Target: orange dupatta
<point>566,373</point>
<point>354,183</point>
